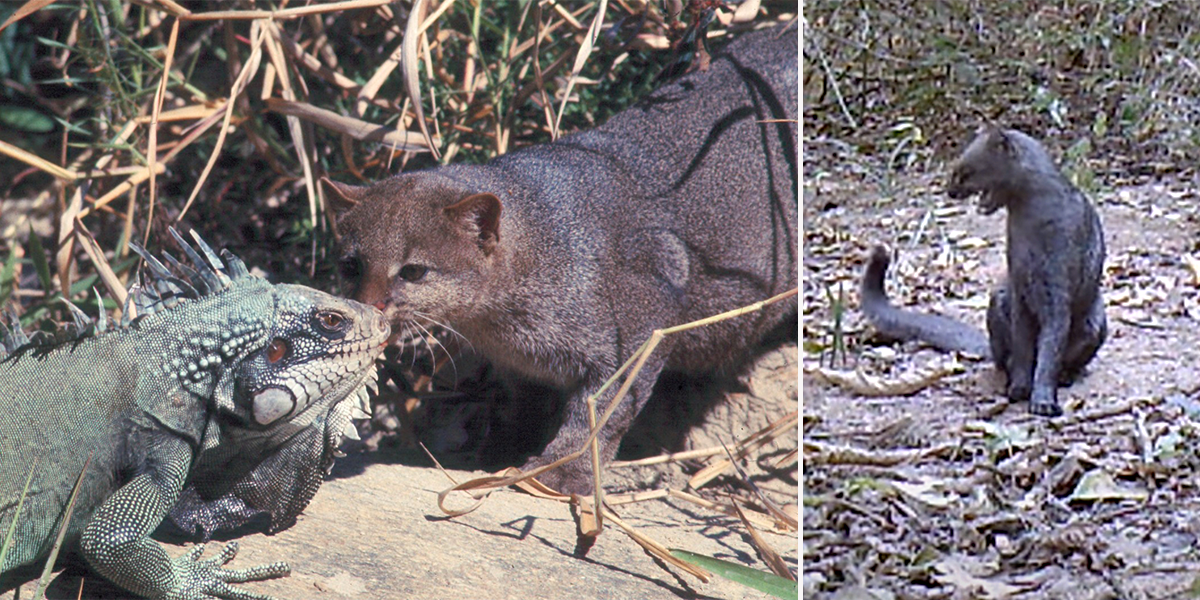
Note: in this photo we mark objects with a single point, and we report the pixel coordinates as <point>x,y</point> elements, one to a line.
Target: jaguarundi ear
<point>999,140</point>
<point>480,215</point>
<point>342,197</point>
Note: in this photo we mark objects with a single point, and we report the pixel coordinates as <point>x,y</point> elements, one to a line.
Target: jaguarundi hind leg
<point>999,329</point>
<point>1086,338</point>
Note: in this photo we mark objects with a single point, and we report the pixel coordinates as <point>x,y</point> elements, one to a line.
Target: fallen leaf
<point>926,492</point>
<point>1097,484</point>
<point>952,571</point>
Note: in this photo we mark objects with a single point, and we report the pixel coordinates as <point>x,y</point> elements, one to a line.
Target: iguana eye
<point>413,273</point>
<point>330,321</point>
<point>277,350</point>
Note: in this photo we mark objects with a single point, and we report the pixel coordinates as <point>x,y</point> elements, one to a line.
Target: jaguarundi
<point>1046,320</point>
<point>557,261</point>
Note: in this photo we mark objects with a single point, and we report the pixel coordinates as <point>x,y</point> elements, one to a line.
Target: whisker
<point>433,354</point>
<point>408,345</point>
<point>446,327</point>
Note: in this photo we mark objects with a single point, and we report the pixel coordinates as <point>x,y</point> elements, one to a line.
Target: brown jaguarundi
<point>557,261</point>
<point>1046,320</point>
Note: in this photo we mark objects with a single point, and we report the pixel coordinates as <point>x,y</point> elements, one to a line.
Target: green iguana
<point>224,384</point>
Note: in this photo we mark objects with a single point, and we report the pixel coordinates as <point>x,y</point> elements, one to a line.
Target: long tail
<point>891,322</point>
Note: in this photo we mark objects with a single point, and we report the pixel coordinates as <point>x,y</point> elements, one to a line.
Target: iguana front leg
<point>117,544</point>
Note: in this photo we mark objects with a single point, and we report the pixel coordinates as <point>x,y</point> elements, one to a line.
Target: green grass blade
<point>12,527</point>
<point>8,275</point>
<point>762,581</point>
<point>62,532</point>
<point>38,255</point>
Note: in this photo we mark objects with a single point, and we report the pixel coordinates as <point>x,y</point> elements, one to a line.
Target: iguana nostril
<point>381,325</point>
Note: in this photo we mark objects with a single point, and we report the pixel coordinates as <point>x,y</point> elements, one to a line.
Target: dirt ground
<point>953,493</point>
<point>374,530</point>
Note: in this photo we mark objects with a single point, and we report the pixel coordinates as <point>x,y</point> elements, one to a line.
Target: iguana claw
<point>206,579</point>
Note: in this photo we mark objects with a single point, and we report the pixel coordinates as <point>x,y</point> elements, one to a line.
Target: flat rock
<point>375,531</point>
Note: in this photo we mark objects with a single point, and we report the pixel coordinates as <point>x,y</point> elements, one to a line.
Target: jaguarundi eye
<point>330,321</point>
<point>350,268</point>
<point>277,350</point>
<point>413,273</point>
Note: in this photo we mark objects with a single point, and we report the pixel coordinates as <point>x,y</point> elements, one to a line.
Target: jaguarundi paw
<point>1045,408</point>
<point>572,478</point>
<point>1019,392</point>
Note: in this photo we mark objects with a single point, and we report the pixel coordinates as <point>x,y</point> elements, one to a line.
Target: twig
<point>152,142</point>
<point>837,93</point>
<point>1103,412</point>
<point>658,549</point>
<point>666,458</point>
<point>287,13</point>
<point>821,453</point>
<point>92,249</point>
<point>585,50</point>
<point>36,161</point>
<point>759,518</point>
<point>355,128</point>
<point>258,33</point>
<point>765,551</point>
<point>745,447</point>
<point>619,499</point>
<point>408,62</point>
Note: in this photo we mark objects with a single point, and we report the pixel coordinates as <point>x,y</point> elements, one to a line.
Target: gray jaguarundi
<point>557,261</point>
<point>1046,320</point>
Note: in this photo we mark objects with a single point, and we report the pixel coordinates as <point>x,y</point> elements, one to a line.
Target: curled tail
<point>891,322</point>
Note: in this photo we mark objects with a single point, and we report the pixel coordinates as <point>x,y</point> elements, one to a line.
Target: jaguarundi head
<point>984,168</point>
<point>419,247</point>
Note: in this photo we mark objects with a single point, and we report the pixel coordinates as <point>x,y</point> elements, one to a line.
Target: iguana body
<point>226,365</point>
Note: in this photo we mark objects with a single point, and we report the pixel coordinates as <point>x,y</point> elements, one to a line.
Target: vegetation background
<point>82,81</point>
<point>1112,85</point>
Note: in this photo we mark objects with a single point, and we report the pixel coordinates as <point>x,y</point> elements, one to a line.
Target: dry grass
<point>222,116</point>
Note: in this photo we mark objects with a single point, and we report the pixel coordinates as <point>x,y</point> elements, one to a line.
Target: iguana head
<point>292,402</point>
<point>284,369</point>
<point>319,348</point>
